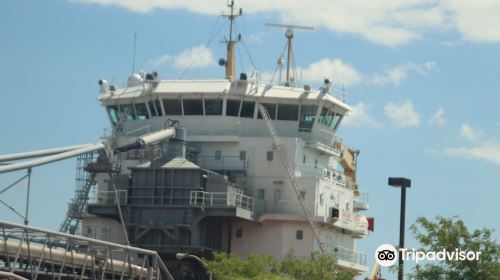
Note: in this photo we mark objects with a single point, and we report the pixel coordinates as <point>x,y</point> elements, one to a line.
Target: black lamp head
<point>399,182</point>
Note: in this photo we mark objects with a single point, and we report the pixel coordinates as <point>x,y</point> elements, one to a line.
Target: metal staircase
<point>293,180</point>
<point>78,205</point>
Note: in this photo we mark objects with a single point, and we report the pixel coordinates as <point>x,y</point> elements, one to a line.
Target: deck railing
<point>221,199</point>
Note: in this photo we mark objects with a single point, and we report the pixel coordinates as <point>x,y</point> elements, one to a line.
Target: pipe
<point>40,153</point>
<point>157,136</point>
<point>148,139</point>
<point>10,275</point>
<point>75,238</point>
<point>48,159</point>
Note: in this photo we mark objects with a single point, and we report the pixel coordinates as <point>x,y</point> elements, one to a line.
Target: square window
<point>277,194</point>
<point>218,155</point>
<point>172,107</point>
<point>299,234</point>
<point>239,233</point>
<point>270,155</point>
<point>288,112</point>
<point>192,107</point>
<point>232,107</point>
<point>271,110</point>
<point>213,107</point>
<point>261,194</point>
<point>247,109</point>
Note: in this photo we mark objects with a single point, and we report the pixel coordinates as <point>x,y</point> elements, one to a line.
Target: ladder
<point>78,204</point>
<point>293,180</point>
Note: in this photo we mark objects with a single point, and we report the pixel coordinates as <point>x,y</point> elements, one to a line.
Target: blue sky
<point>421,76</point>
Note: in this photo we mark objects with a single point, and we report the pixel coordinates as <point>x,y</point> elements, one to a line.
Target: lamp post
<point>403,183</point>
<point>181,256</point>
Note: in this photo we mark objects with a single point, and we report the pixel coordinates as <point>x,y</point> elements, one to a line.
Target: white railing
<point>335,176</point>
<point>108,197</point>
<point>349,255</point>
<point>221,199</point>
<point>363,197</point>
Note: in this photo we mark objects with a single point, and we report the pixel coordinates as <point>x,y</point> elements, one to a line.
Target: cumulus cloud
<point>489,152</point>
<point>469,133</point>
<point>335,69</point>
<point>438,118</point>
<point>402,114</point>
<point>389,23</point>
<point>198,56</point>
<point>399,73</point>
<point>360,116</point>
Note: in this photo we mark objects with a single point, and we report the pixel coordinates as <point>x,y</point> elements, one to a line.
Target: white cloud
<point>402,114</point>
<point>475,19</point>
<point>438,118</point>
<point>385,22</point>
<point>198,56</point>
<point>469,133</point>
<point>489,152</point>
<point>397,74</point>
<point>360,116</point>
<point>336,70</point>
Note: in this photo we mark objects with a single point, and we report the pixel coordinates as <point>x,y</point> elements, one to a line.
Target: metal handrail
<point>347,254</point>
<point>201,198</point>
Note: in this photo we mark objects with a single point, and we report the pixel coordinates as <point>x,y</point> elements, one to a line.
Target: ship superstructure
<point>219,182</point>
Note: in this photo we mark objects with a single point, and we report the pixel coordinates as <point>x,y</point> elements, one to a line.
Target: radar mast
<point>289,37</point>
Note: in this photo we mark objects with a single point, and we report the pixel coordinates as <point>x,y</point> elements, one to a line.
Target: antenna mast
<point>133,58</point>
<point>289,37</point>
<point>231,43</point>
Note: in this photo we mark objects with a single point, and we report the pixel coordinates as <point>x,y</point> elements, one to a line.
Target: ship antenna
<point>133,56</point>
<point>289,37</point>
<point>231,43</point>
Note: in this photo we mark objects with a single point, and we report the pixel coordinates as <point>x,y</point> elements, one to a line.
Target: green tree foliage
<point>229,267</point>
<point>449,234</point>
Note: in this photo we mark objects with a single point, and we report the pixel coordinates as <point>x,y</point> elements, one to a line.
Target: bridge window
<point>233,107</point>
<point>113,113</point>
<point>155,108</point>
<point>288,112</point>
<point>307,116</point>
<point>158,108</point>
<point>247,109</point>
<point>335,121</point>
<point>172,107</point>
<point>128,111</point>
<point>141,111</point>
<point>271,109</point>
<point>213,106</point>
<point>192,107</point>
<point>323,116</point>
<point>152,108</point>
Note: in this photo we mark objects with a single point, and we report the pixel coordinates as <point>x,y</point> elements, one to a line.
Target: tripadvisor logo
<point>387,255</point>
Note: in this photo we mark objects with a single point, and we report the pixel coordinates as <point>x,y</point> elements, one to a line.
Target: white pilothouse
<point>234,165</point>
<point>227,134</point>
